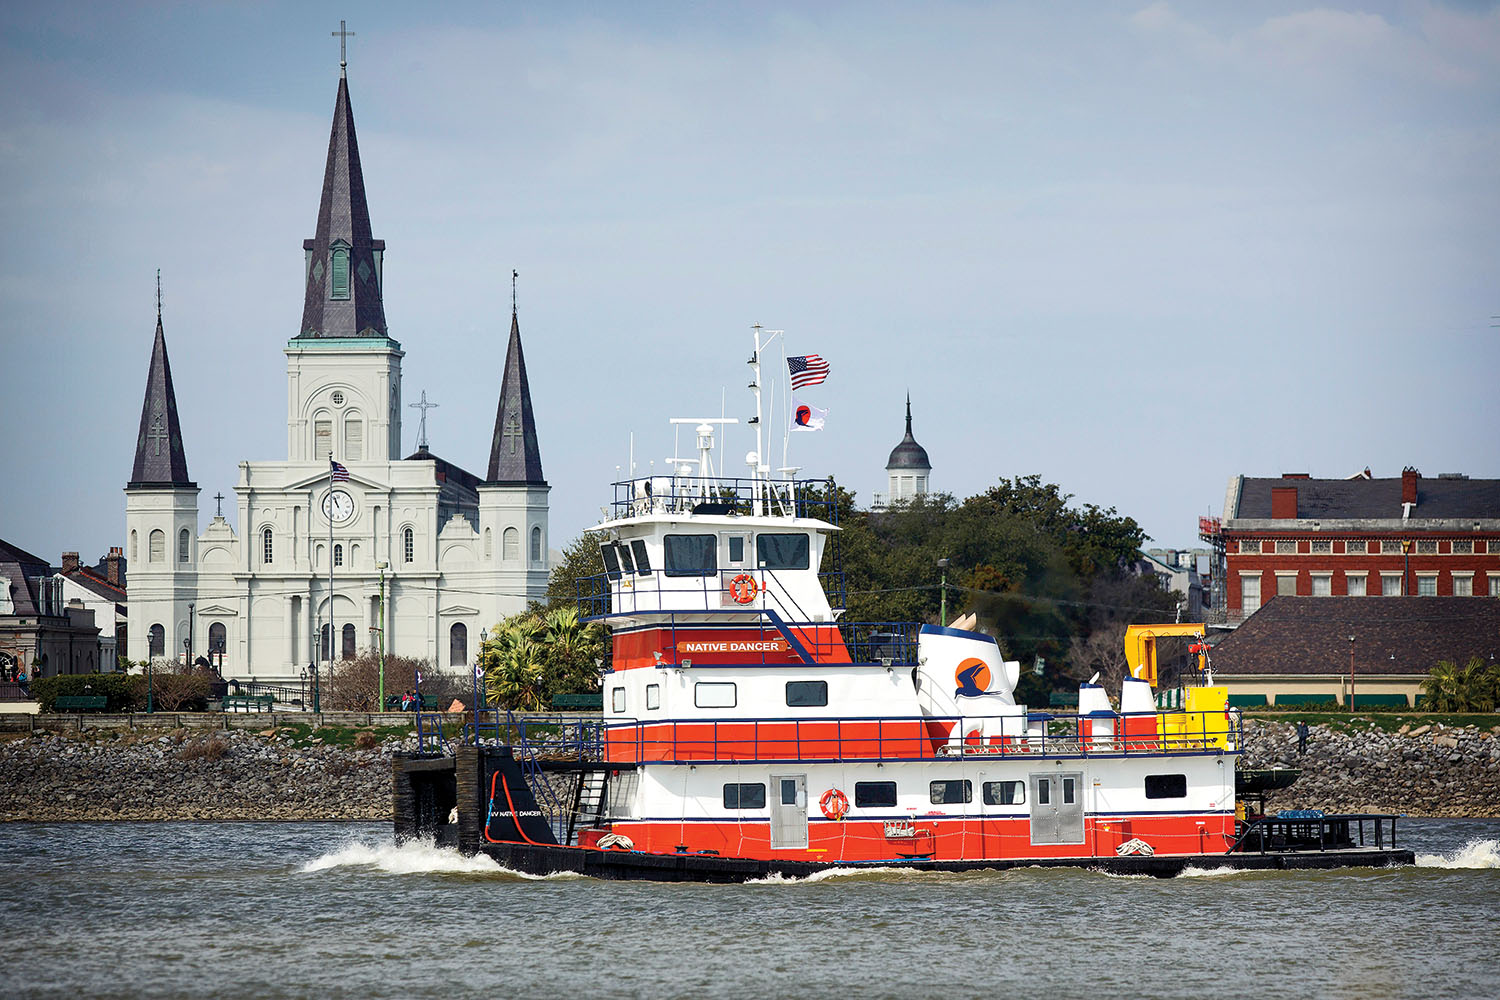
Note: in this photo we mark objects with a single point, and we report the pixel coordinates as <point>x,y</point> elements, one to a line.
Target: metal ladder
<point>589,801</point>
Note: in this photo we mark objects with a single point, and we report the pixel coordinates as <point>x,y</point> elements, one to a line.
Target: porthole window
<point>338,398</point>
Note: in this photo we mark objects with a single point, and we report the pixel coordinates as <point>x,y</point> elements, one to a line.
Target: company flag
<point>807,369</point>
<point>805,417</point>
<point>339,473</point>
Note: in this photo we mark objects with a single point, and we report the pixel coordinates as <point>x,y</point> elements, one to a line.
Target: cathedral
<point>325,561</point>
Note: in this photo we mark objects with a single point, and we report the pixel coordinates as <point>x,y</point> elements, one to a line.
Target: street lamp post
<point>303,680</point>
<point>943,609</point>
<point>150,694</point>
<point>382,566</point>
<point>191,606</point>
<point>1351,674</point>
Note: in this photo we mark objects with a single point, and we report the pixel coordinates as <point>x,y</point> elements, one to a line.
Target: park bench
<point>578,702</point>
<point>80,703</point>
<point>393,703</point>
<point>249,702</point>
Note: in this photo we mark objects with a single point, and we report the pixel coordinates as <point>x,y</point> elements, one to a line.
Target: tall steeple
<point>343,296</point>
<point>515,456</point>
<point>159,457</point>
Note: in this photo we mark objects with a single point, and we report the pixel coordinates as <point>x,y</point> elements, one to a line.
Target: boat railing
<point>681,495</point>
<point>626,591</point>
<point>920,737</point>
<point>1313,830</point>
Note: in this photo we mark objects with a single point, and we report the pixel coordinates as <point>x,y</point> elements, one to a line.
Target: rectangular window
<point>354,440</point>
<point>783,551</point>
<point>627,564</point>
<point>653,697</point>
<point>611,560</point>
<point>1391,546</point>
<point>1322,585</point>
<point>1427,547</point>
<point>1250,546</point>
<point>874,794</point>
<point>1463,546</point>
<point>714,694</point>
<point>1249,594</point>
<point>806,694</point>
<point>744,796</point>
<point>617,699</point>
<point>736,548</point>
<point>1322,548</point>
<point>950,792</point>
<point>1355,547</point>
<point>1043,792</point>
<point>642,561</point>
<point>1390,586</point>
<point>691,555</point>
<point>1355,582</point>
<point>1166,786</point>
<point>322,439</point>
<point>788,791</point>
<point>1494,585</point>
<point>1070,791</point>
<point>1427,586</point>
<point>1286,548</point>
<point>1004,793</point>
<point>1463,586</point>
<point>1286,586</point>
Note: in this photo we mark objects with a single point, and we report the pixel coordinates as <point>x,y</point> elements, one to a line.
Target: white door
<point>788,810</point>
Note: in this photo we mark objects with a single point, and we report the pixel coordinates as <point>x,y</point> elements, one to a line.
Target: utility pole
<point>382,566</point>
<point>1351,674</point>
<point>943,607</point>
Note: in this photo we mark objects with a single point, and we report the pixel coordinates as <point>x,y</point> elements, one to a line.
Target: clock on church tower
<point>338,506</point>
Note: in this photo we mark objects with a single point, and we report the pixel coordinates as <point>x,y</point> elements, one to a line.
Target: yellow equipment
<point>1140,647</point>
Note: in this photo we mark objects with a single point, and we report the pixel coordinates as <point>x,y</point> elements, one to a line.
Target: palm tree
<point>1475,687</point>
<point>513,664</point>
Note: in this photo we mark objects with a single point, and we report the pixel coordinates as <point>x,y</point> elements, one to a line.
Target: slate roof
<point>1310,635</point>
<point>22,568</point>
<point>88,579</point>
<point>446,470</point>
<point>908,454</point>
<point>343,216</point>
<point>515,456</point>
<point>1374,498</point>
<point>159,457</point>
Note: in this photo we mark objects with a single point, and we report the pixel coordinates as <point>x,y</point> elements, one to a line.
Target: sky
<point>1133,248</point>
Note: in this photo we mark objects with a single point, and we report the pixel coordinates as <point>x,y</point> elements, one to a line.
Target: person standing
<point>1301,737</point>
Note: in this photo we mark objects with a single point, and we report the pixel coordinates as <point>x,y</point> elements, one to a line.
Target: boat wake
<point>1474,854</point>
<point>415,857</point>
<point>776,878</point>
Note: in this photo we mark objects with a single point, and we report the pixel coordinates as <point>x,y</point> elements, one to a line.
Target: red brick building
<point>1359,537</point>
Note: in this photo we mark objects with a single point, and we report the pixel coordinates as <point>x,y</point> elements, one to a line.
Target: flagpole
<point>330,567</point>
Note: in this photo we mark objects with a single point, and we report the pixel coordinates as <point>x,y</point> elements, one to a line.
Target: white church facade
<point>452,553</point>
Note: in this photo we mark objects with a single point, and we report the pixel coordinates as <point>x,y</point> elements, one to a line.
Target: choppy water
<point>335,910</point>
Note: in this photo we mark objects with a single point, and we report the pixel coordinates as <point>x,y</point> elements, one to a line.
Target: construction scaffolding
<point>1211,530</point>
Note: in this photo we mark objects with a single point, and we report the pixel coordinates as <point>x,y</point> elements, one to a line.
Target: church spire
<point>159,458</point>
<point>343,295</point>
<point>515,457</point>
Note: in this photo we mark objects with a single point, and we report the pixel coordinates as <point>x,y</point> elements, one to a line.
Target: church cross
<point>424,406</point>
<point>512,431</point>
<point>156,434</point>
<point>342,36</point>
<point>220,498</point>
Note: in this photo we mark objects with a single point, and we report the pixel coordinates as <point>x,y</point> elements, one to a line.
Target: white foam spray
<point>414,857</point>
<point>776,878</point>
<point>1474,854</point>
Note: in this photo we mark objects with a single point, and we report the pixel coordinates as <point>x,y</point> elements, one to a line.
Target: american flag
<point>809,369</point>
<point>339,474</point>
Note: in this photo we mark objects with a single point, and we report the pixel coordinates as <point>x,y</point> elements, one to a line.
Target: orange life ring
<point>742,588</point>
<point>834,803</point>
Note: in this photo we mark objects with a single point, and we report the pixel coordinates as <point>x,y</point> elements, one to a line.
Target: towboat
<point>748,730</point>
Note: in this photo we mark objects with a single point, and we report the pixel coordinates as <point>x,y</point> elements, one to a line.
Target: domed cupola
<point>908,467</point>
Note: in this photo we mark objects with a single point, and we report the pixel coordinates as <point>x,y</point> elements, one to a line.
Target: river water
<point>336,910</point>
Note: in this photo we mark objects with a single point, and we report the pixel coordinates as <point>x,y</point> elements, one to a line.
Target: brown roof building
<point>1299,650</point>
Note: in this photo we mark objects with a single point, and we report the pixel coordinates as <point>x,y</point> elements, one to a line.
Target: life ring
<point>835,804</point>
<point>742,588</point>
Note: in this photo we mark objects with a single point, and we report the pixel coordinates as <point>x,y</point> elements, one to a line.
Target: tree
<point>581,561</point>
<point>1475,687</point>
<point>532,656</point>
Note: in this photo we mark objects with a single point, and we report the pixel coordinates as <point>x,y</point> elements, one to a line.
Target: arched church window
<point>322,438</point>
<point>158,641</point>
<point>354,438</point>
<point>489,546</point>
<point>409,549</point>
<point>536,544</point>
<point>458,645</point>
<point>510,544</point>
<point>323,642</point>
<point>266,545</point>
<point>348,643</point>
<point>156,545</point>
<point>338,274</point>
<point>338,555</point>
<point>216,637</point>
<point>134,545</point>
<point>184,545</point>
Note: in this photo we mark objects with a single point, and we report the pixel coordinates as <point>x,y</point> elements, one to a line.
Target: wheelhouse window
<point>617,699</point>
<point>783,551</point>
<point>627,562</point>
<point>611,555</point>
<point>642,560</point>
<point>714,694</point>
<point>874,794</point>
<point>1166,786</point>
<point>806,694</point>
<point>744,796</point>
<point>653,697</point>
<point>691,555</point>
<point>1004,793</point>
<point>950,792</point>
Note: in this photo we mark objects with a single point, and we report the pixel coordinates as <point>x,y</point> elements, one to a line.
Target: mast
<point>756,464</point>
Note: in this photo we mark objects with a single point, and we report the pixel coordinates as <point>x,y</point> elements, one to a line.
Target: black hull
<point>533,859</point>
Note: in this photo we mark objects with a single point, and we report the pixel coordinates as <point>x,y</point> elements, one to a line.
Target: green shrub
<point>118,688</point>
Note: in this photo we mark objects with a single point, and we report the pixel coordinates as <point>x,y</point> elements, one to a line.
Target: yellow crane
<point>1204,712</point>
<point>1140,647</point>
